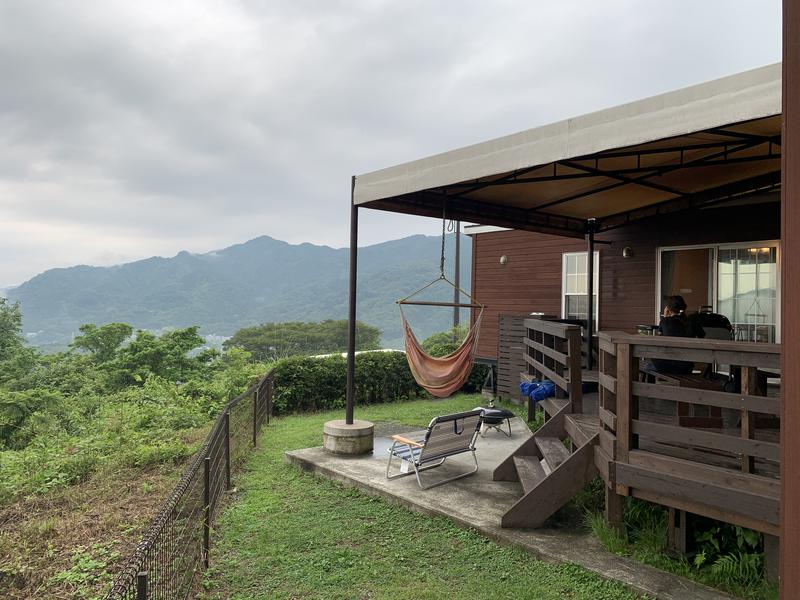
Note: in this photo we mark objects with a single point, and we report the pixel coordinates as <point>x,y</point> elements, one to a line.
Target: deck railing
<point>728,472</point>
<point>175,548</point>
<point>553,352</point>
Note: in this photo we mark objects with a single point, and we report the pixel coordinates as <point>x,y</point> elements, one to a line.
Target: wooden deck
<point>729,472</point>
<point>720,457</point>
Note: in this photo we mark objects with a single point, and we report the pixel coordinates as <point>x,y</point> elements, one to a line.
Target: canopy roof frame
<point>684,148</point>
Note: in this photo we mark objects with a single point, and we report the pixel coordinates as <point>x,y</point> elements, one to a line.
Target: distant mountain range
<point>263,280</point>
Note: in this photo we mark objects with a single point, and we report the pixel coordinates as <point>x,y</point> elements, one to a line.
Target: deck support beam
<point>590,229</point>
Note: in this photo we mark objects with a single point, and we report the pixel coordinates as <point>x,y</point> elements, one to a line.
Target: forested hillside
<point>263,280</point>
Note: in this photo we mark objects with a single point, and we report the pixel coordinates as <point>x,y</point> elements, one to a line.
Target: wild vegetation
<point>272,341</point>
<point>724,556</point>
<point>106,403</point>
<point>91,442</point>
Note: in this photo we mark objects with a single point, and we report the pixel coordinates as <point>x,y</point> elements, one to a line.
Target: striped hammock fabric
<point>444,376</point>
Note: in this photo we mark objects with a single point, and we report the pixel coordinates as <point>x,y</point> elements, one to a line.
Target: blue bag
<point>538,390</point>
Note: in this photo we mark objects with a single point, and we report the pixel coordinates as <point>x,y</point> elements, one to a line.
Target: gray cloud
<point>132,129</point>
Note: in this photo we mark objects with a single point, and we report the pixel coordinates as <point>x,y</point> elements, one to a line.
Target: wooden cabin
<point>724,259</point>
<point>675,194</point>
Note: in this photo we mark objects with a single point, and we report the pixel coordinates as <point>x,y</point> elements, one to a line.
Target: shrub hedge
<point>304,383</point>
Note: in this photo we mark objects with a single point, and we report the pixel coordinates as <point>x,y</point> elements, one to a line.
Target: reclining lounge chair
<point>446,436</point>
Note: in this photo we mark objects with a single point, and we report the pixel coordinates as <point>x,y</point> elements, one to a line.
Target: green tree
<point>18,409</point>
<point>279,340</point>
<point>16,358</point>
<point>170,357</point>
<point>10,329</point>
<point>102,342</point>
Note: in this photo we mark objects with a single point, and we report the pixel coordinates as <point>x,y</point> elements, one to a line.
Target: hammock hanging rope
<point>441,376</point>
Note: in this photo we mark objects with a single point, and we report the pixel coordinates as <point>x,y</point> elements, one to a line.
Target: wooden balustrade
<point>553,352</point>
<point>729,473</point>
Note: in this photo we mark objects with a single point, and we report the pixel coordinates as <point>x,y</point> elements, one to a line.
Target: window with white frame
<point>573,285</point>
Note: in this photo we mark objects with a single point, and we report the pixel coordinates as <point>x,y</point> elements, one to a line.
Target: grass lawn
<point>290,535</point>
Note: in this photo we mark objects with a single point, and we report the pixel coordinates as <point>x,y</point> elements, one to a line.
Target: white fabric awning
<point>602,164</point>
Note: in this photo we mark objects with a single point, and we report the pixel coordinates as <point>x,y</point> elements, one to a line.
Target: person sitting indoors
<point>675,323</point>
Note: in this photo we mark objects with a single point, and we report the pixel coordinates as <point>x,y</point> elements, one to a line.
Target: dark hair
<point>676,304</point>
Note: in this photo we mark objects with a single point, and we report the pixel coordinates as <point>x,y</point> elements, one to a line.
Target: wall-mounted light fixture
<point>503,259</point>
<point>627,252</point>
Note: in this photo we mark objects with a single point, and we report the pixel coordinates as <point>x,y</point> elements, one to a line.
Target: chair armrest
<point>405,440</point>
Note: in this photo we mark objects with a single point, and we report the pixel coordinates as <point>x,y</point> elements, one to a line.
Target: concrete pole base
<point>341,438</point>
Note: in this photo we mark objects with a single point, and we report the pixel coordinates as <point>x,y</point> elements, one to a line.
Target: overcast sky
<point>132,129</point>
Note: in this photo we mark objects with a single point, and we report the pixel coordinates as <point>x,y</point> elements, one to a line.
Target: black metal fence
<point>174,550</point>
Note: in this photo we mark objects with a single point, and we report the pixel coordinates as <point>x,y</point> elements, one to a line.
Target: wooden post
<point>790,292</point>
<point>772,545</point>
<point>749,384</point>
<point>627,407</point>
<point>614,509</point>
<point>678,531</point>
<point>574,370</point>
<point>141,586</point>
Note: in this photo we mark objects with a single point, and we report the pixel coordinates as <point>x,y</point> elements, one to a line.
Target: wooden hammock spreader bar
<point>428,303</point>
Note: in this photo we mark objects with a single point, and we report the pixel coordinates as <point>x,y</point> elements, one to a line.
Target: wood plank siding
<point>531,279</point>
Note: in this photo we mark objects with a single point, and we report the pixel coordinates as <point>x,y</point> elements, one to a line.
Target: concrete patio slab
<point>478,502</point>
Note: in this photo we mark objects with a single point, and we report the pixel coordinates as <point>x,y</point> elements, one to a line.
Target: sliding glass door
<point>747,291</point>
<point>739,281</point>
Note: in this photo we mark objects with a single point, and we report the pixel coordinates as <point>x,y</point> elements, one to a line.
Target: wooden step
<point>530,471</point>
<point>553,405</point>
<point>552,492</point>
<point>581,428</point>
<point>525,378</point>
<point>553,451</point>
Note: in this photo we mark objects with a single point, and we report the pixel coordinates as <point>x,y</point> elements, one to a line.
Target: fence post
<point>270,391</point>
<point>206,509</point>
<point>227,449</point>
<point>255,416</point>
<point>141,586</point>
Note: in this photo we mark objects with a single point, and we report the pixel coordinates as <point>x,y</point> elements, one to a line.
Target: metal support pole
<point>227,449</point>
<point>457,277</point>
<point>206,509</point>
<point>270,391</point>
<point>351,315</point>
<point>141,586</point>
<point>255,417</point>
<point>590,227</point>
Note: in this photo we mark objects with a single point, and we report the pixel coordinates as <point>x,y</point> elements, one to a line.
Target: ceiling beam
<point>762,183</point>
<point>775,139</point>
<point>698,161</point>
<point>429,204</point>
<point>659,170</point>
<point>643,180</point>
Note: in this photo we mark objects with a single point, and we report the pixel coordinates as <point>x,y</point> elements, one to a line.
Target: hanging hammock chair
<point>441,376</point>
